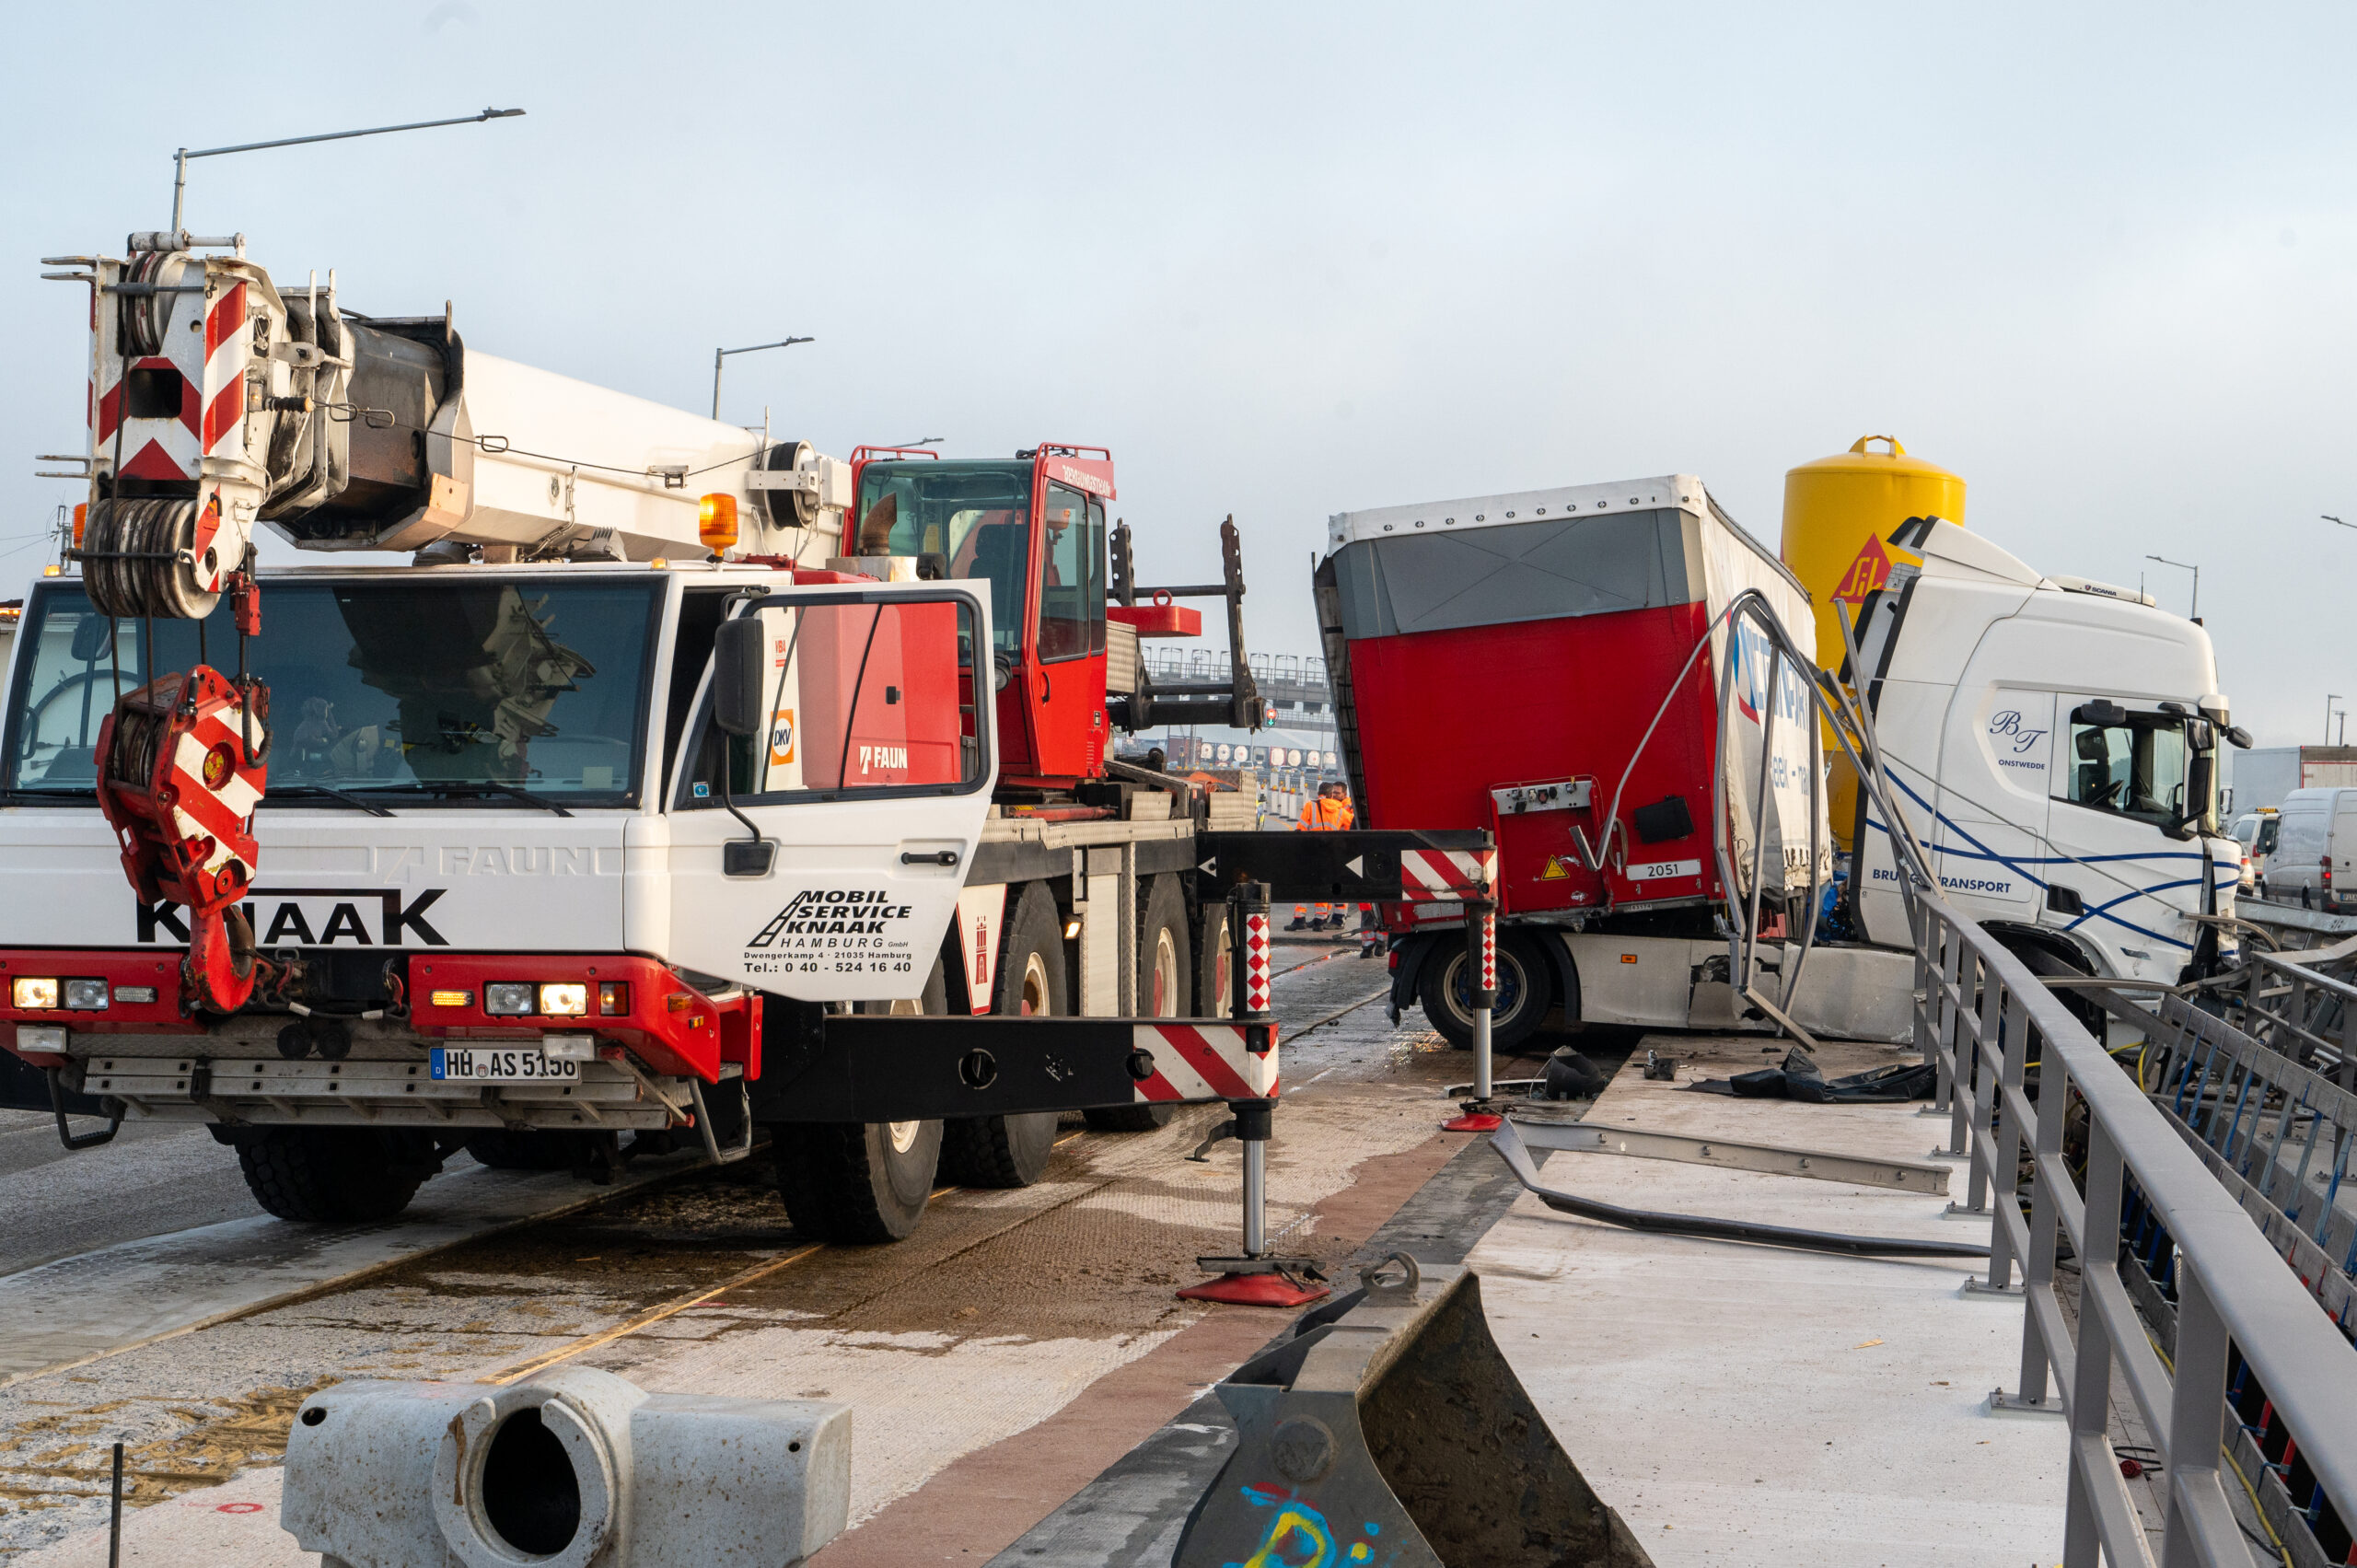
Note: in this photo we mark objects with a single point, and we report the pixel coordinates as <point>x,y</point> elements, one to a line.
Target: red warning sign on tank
<point>1870,571</point>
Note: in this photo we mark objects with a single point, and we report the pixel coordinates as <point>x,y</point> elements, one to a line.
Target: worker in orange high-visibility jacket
<point>1329,813</point>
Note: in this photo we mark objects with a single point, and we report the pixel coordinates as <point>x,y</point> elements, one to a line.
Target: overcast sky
<point>1289,260</point>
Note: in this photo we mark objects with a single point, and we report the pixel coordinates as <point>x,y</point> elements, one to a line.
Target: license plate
<point>523,1065</point>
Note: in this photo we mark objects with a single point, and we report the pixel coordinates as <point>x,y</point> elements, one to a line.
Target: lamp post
<point>180,158</point>
<point>720,358</point>
<point>2195,613</point>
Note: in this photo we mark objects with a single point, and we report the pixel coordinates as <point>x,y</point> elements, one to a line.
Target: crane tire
<point>862,1183</point>
<point>1165,981</point>
<point>1012,1151</point>
<point>327,1174</point>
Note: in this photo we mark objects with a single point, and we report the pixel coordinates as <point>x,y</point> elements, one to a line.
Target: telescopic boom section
<point>219,401</point>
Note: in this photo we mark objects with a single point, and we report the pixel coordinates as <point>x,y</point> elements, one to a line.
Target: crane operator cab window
<point>2155,767</point>
<point>971,518</point>
<point>1071,576</point>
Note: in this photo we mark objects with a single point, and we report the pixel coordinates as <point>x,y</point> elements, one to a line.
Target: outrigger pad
<point>1390,1429</point>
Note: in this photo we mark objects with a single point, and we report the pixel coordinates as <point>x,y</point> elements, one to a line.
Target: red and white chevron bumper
<point>1197,1063</point>
<point>1435,875</point>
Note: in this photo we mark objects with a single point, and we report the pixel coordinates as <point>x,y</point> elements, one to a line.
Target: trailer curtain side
<point>1538,649</point>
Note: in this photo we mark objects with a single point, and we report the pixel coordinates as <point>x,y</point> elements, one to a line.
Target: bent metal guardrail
<point>2301,1004</point>
<point>1979,1014</point>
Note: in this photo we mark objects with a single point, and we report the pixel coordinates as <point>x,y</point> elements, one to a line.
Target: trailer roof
<point>1683,492</point>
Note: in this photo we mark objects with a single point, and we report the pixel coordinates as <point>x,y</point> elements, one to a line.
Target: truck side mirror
<point>737,660</point>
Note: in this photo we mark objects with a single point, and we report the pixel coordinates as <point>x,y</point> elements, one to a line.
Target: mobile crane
<point>646,799</point>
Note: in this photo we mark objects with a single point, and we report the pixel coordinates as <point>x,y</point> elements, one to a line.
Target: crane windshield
<point>424,686</point>
<point>975,515</point>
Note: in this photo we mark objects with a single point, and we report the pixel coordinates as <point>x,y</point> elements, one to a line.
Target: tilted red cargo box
<point>1497,661</point>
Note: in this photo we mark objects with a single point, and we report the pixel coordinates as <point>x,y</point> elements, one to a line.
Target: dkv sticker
<point>782,739</point>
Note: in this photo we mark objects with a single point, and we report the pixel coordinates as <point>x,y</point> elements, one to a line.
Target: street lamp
<point>2195,613</point>
<point>913,446</point>
<point>180,159</point>
<point>720,358</point>
<point>2330,698</point>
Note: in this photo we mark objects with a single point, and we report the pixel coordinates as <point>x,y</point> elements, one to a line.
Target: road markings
<point>646,1319</point>
<point>671,1309</point>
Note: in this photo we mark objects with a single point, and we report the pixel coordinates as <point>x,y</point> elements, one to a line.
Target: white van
<point>2255,831</point>
<point>2314,862</point>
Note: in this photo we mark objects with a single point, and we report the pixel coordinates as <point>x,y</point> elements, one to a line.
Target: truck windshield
<point>2135,765</point>
<point>976,515</point>
<point>424,686</point>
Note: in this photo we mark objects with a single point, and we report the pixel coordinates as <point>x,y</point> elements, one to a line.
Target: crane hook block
<point>182,764</point>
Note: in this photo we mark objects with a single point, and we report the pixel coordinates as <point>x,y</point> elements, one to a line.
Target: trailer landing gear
<point>1481,964</point>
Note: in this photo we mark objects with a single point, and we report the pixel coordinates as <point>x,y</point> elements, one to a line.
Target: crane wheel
<point>1165,981</point>
<point>862,1183</point>
<point>328,1174</point>
<point>1012,1151</point>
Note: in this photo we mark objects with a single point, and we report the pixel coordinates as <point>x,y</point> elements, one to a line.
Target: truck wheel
<point>1012,1151</point>
<point>510,1150</point>
<point>1215,964</point>
<point>862,1182</point>
<point>326,1173</point>
<point>1524,992</point>
<point>1166,979</point>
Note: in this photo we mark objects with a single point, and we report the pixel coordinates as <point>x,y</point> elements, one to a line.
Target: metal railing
<point>2294,1002</point>
<point>1212,664</point>
<point>2239,1311</point>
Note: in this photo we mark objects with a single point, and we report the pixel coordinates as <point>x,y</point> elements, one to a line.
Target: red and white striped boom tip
<point>1198,1062</point>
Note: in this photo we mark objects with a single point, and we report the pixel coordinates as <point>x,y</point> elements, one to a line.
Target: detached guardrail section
<point>2294,1002</point>
<point>1979,1013</point>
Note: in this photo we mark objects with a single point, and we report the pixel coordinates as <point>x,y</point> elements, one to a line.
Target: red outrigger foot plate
<point>1254,1290</point>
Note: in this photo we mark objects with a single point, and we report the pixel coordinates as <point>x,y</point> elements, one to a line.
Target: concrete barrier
<point>576,1469</point>
<point>1390,1429</point>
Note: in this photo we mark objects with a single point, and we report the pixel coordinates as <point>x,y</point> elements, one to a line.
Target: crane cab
<point>1033,528</point>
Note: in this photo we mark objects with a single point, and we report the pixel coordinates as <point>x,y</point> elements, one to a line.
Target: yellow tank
<point>1838,515</point>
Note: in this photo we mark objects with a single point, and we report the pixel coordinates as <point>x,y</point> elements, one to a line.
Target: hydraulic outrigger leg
<point>1257,1278</point>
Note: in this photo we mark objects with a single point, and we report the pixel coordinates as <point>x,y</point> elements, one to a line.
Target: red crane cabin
<point>1502,642</point>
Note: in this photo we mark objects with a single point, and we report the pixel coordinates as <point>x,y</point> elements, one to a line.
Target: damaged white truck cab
<point>2055,742</point>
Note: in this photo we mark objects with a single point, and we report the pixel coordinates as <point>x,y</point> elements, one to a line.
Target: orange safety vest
<point>1324,816</point>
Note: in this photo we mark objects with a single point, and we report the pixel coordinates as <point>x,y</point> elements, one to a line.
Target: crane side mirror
<point>737,665</point>
<point>91,638</point>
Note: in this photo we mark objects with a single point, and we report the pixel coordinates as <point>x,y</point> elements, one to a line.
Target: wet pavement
<point>1003,1308</point>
